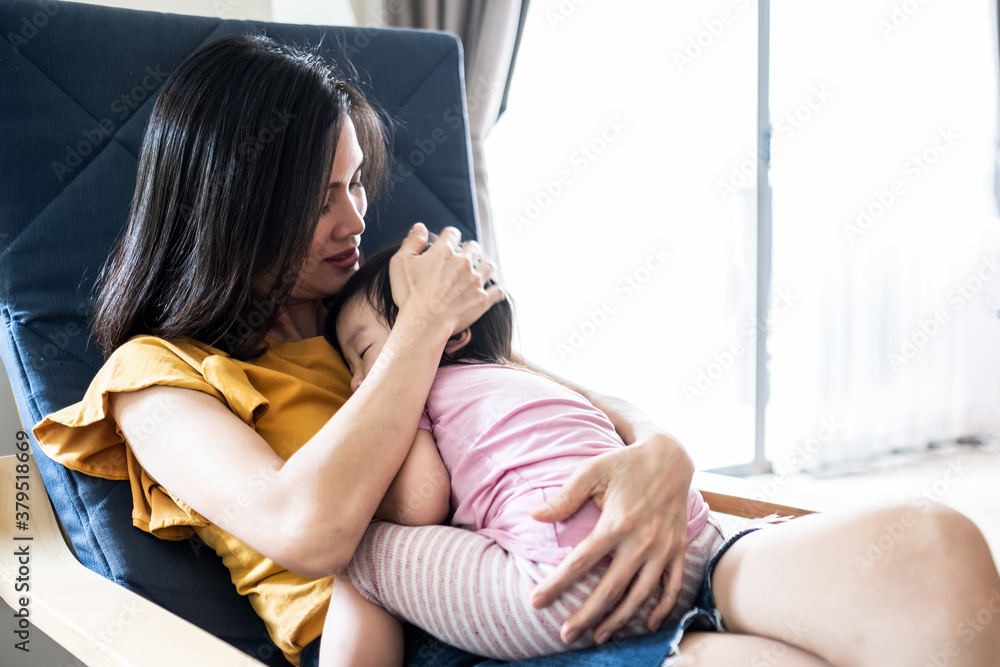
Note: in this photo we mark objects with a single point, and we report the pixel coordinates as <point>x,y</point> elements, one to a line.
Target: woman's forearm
<point>631,423</point>
<point>337,480</point>
<point>308,513</point>
<point>353,459</point>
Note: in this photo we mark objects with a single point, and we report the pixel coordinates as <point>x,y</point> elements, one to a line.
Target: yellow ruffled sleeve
<point>85,437</point>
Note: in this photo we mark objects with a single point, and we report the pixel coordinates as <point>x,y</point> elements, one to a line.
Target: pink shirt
<point>510,438</point>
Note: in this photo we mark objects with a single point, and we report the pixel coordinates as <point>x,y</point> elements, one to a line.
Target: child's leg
<point>358,632</point>
<point>466,590</point>
<point>457,585</point>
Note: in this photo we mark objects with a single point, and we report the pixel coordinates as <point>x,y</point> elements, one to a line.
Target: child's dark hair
<point>491,334</point>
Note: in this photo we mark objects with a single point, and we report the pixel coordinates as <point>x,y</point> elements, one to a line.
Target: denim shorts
<point>652,649</point>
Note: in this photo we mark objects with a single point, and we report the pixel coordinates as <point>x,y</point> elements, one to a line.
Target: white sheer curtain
<point>630,274</point>
<point>885,228</point>
<point>489,30</point>
<point>884,332</point>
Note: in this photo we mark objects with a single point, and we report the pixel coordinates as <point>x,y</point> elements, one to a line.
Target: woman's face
<point>333,255</point>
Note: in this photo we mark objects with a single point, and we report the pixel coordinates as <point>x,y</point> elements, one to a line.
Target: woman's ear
<point>458,341</point>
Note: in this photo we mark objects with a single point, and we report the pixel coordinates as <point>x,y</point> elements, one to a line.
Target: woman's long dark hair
<point>232,176</point>
<point>491,334</point>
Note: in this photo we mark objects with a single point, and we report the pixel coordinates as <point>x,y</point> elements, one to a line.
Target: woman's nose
<point>351,218</point>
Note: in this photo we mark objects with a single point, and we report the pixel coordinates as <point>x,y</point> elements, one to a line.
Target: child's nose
<point>356,382</point>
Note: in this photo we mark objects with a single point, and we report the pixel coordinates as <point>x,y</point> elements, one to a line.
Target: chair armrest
<point>739,497</point>
<point>95,619</point>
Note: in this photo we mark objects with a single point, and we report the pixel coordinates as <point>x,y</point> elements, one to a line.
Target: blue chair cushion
<point>79,83</point>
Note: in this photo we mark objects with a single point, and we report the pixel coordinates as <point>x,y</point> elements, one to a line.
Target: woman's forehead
<point>349,155</point>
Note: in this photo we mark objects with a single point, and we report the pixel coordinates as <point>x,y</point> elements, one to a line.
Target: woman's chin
<point>337,281</point>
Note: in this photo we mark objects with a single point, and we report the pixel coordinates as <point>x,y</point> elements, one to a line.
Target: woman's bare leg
<point>711,649</point>
<point>904,585</point>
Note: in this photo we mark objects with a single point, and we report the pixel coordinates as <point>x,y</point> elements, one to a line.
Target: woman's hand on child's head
<point>642,491</point>
<point>446,282</point>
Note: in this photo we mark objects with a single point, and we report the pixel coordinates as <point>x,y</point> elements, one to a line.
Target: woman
<point>216,399</point>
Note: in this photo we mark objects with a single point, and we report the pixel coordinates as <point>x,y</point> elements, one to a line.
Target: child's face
<point>361,335</point>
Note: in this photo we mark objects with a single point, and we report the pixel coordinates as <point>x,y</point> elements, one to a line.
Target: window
<point>885,228</point>
<point>622,178</point>
<point>629,272</point>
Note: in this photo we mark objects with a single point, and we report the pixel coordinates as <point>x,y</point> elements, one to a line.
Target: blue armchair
<point>79,82</point>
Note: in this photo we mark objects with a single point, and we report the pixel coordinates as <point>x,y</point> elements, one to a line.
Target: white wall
<point>313,12</point>
<point>256,10</point>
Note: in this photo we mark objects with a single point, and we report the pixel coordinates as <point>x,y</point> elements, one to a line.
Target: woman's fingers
<point>640,558</point>
<point>581,560</point>
<point>644,585</point>
<point>643,492</point>
<point>621,591</point>
<point>583,484</point>
<point>413,245</point>
<point>449,278</point>
<point>449,237</point>
<point>472,250</point>
<point>673,579</point>
<point>605,596</point>
<point>481,266</point>
<point>416,239</point>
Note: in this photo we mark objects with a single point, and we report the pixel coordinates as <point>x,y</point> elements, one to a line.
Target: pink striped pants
<point>467,591</point>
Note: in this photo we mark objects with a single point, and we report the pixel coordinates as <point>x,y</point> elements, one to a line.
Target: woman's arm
<point>309,512</point>
<point>630,422</point>
<point>420,495</point>
<point>642,491</point>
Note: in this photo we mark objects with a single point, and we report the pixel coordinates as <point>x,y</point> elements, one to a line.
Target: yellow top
<point>286,395</point>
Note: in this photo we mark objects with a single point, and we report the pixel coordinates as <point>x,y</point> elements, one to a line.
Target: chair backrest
<point>78,83</point>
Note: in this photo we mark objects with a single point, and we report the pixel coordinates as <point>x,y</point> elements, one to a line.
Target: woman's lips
<point>345,260</point>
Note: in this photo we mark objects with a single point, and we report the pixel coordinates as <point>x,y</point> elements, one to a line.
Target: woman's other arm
<point>310,511</point>
<point>420,495</point>
<point>631,423</point>
<point>642,491</point>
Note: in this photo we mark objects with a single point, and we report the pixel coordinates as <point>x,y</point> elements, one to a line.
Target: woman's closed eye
<point>356,186</point>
